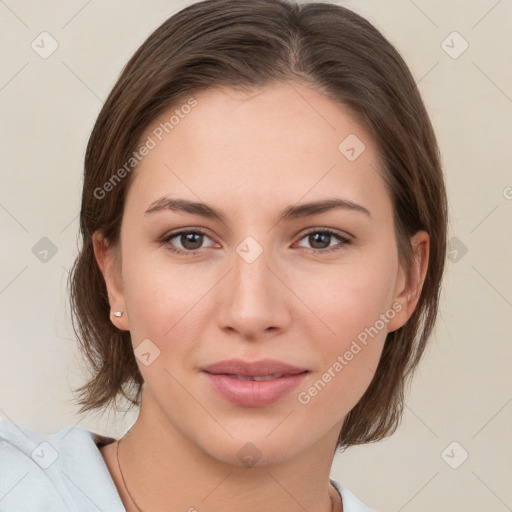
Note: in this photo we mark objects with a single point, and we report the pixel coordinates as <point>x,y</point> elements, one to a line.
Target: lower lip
<point>252,393</point>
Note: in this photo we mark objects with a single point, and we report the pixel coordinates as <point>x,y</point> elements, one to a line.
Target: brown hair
<point>248,44</point>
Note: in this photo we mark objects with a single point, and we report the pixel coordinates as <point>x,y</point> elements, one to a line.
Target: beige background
<point>462,391</point>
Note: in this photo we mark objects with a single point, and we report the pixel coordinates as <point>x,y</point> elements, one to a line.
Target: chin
<point>255,449</point>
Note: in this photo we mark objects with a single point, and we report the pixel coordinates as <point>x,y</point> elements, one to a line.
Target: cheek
<point>351,296</point>
<point>353,303</point>
<point>158,295</point>
<point>348,359</point>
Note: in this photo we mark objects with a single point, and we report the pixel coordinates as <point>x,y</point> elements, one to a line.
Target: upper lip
<point>263,367</point>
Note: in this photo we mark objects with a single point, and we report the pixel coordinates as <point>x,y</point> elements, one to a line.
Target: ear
<point>109,264</point>
<point>408,287</point>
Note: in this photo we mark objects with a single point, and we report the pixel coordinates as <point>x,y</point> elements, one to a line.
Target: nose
<point>254,299</point>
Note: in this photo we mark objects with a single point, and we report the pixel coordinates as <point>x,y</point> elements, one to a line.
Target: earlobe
<point>111,271</point>
<point>410,285</point>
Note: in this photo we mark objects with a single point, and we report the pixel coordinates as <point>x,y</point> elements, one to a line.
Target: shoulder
<point>60,472</point>
<point>350,501</point>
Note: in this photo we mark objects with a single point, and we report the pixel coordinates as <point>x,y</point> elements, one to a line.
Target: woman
<point>264,228</point>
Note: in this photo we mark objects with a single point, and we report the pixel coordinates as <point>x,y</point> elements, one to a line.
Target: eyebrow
<point>289,213</point>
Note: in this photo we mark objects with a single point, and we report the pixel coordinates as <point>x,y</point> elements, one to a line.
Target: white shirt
<point>65,471</point>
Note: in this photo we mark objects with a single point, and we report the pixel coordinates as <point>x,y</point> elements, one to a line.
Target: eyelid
<point>182,231</point>
<point>341,234</point>
<point>344,239</point>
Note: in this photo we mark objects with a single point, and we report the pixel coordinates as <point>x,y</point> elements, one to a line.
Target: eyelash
<point>326,231</point>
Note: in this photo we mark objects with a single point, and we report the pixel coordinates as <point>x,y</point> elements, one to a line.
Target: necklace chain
<point>135,503</point>
<point>122,476</point>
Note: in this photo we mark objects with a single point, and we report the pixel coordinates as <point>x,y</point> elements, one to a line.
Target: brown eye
<point>190,241</point>
<point>320,240</point>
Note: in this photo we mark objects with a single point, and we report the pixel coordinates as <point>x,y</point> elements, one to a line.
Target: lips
<point>253,384</point>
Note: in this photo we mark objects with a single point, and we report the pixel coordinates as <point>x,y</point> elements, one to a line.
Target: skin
<point>250,156</point>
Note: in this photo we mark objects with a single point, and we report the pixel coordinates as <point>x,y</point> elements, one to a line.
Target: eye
<point>320,240</point>
<point>190,241</point>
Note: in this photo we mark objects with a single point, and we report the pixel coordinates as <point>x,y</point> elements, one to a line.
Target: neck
<point>164,470</point>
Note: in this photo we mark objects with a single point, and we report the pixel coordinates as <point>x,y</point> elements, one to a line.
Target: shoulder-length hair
<point>247,44</point>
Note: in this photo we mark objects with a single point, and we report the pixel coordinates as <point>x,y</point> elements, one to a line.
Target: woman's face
<point>222,261</point>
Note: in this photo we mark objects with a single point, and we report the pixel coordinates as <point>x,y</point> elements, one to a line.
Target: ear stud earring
<point>118,313</point>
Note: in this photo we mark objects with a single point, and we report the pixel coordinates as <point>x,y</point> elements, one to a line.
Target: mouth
<point>253,384</point>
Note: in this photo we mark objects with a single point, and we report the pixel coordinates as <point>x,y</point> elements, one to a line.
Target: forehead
<point>255,147</point>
